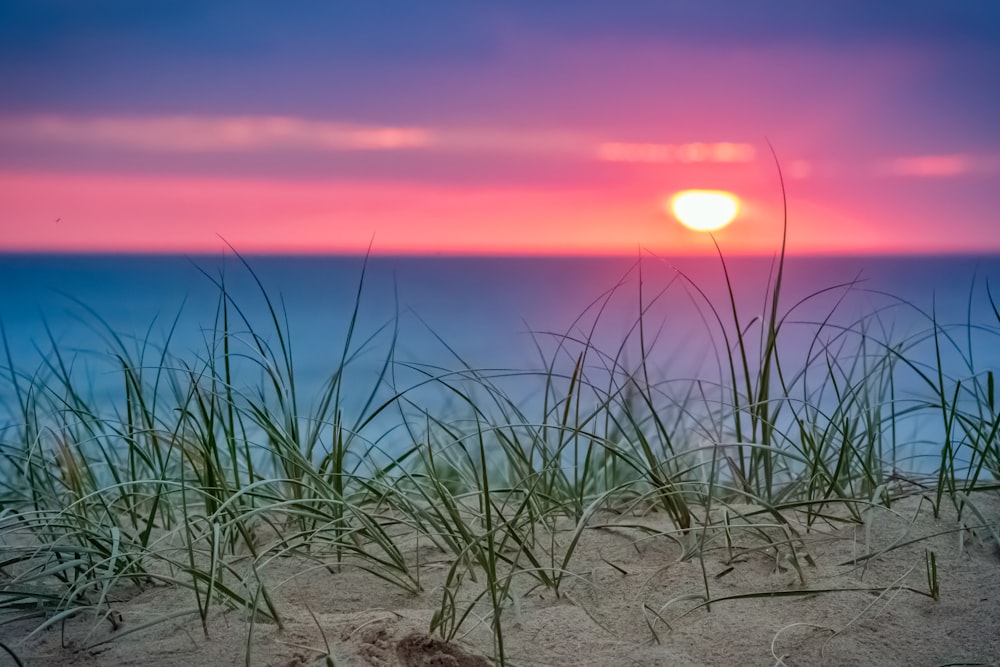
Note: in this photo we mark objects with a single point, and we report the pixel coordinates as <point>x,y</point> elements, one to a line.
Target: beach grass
<point>194,479</point>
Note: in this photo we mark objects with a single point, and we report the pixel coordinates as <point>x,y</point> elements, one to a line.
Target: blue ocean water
<point>496,314</point>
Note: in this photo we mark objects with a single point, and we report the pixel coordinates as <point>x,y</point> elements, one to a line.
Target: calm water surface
<point>485,313</point>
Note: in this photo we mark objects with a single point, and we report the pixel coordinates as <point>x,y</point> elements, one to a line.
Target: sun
<point>704,210</point>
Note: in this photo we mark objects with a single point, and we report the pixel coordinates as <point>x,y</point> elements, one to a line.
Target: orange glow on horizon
<point>109,213</point>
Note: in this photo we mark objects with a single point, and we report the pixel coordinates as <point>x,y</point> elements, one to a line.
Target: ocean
<point>507,318</point>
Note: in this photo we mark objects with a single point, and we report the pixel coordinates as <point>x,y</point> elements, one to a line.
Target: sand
<point>634,597</point>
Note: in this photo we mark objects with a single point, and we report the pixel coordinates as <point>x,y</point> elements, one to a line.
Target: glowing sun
<point>704,210</point>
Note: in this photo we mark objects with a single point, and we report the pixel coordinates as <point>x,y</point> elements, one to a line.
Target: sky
<point>508,127</point>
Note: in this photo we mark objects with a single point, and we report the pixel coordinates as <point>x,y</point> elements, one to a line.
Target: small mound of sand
<point>419,650</point>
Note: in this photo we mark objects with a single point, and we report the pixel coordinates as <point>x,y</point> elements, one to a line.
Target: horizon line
<point>490,255</point>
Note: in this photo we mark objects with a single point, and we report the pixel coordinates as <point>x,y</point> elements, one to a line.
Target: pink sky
<point>121,213</point>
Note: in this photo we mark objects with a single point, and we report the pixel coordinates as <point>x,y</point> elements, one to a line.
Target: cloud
<point>195,134</point>
<point>683,153</point>
<point>939,166</point>
<point>246,134</point>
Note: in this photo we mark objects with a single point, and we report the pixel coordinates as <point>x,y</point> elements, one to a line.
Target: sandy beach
<point>634,594</point>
